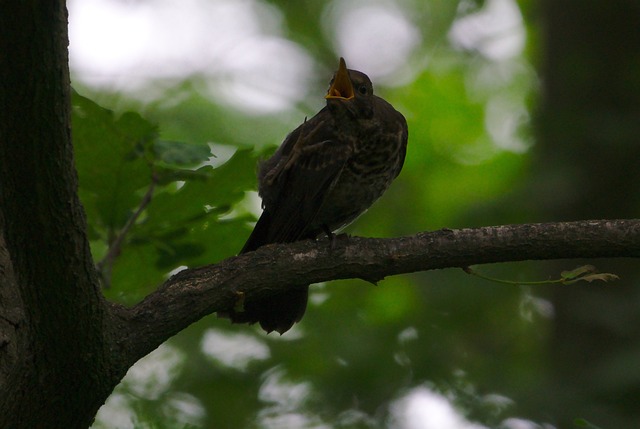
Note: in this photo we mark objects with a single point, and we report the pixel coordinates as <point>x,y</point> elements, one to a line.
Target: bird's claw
<point>238,306</point>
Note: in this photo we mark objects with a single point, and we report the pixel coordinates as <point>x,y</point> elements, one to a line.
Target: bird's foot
<point>334,239</point>
<point>238,306</point>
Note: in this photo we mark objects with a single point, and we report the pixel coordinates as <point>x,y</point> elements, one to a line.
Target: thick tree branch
<point>194,293</point>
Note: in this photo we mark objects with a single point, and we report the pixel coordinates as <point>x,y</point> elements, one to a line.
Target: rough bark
<point>53,351</point>
<point>194,293</point>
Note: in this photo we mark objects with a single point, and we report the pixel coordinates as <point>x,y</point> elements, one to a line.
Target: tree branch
<point>105,265</point>
<point>194,293</point>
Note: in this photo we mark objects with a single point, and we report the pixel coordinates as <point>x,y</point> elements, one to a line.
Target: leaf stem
<point>586,273</point>
<point>472,272</point>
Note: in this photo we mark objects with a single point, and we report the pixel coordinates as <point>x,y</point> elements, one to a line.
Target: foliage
<point>119,159</point>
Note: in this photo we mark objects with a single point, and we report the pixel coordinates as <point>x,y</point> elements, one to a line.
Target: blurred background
<point>518,111</point>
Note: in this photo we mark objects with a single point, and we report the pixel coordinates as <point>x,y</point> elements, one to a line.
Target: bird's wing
<point>303,189</point>
<point>294,184</point>
<point>402,134</point>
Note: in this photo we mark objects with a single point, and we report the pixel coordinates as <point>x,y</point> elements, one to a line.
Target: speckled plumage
<point>326,173</point>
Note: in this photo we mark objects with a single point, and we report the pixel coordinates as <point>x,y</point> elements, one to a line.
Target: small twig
<point>583,273</point>
<point>105,265</point>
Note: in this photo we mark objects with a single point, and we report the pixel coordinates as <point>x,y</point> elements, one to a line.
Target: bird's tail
<point>277,312</point>
<point>274,313</point>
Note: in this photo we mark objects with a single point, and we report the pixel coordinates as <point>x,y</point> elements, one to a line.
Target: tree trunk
<point>52,357</point>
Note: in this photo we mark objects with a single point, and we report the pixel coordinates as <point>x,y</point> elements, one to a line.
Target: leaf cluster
<point>187,218</point>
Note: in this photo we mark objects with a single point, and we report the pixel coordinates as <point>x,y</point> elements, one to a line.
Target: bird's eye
<point>362,89</point>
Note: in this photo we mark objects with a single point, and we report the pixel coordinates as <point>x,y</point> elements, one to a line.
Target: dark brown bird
<point>326,173</point>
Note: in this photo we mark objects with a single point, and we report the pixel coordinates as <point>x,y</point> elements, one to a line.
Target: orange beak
<point>341,86</point>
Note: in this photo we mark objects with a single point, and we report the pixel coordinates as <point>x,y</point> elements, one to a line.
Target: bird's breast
<point>365,177</point>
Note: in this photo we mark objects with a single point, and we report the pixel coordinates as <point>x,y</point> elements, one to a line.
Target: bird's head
<point>350,90</point>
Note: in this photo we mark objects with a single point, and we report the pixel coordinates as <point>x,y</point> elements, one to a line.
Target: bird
<point>326,173</point>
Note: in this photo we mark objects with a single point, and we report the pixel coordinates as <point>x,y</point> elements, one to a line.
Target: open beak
<point>341,86</point>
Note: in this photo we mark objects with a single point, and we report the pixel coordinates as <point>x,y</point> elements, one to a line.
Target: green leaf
<point>580,271</point>
<point>174,154</point>
<point>586,273</point>
<point>605,277</point>
<point>207,189</point>
<point>135,273</point>
<point>111,158</point>
<point>182,225</point>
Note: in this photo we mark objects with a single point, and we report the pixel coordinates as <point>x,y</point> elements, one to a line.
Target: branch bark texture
<point>194,293</point>
<point>51,352</point>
